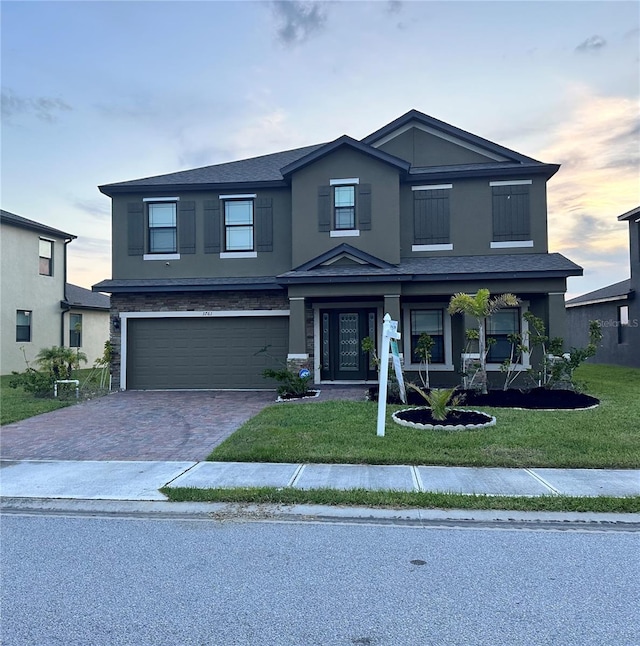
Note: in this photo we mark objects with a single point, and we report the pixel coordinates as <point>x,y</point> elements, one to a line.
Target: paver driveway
<point>137,425</point>
<point>133,425</point>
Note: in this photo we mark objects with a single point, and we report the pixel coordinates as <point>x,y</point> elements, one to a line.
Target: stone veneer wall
<point>186,302</point>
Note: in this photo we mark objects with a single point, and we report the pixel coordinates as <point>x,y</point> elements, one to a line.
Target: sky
<point>101,92</point>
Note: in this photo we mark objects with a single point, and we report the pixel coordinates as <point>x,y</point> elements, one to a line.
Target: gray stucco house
<point>304,251</point>
<point>39,308</point>
<point>616,307</point>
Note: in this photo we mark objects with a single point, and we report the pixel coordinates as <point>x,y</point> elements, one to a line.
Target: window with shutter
<point>431,218</point>
<point>510,211</point>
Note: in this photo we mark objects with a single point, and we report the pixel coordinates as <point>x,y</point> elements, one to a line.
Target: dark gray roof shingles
<point>25,223</point>
<point>265,168</point>
<point>452,267</point>
<point>84,298</point>
<point>617,290</point>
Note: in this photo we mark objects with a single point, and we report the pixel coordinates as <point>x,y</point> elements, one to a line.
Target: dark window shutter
<point>324,208</point>
<point>187,227</point>
<point>431,216</point>
<point>364,207</point>
<point>135,228</point>
<point>264,224</point>
<point>212,226</point>
<point>511,219</point>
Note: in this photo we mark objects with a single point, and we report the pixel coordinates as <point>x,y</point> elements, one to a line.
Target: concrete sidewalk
<point>140,481</point>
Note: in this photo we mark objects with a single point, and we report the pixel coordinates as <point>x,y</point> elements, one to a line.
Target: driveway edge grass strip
<point>403,500</point>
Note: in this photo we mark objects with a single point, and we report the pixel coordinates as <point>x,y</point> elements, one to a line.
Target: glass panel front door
<point>342,332</point>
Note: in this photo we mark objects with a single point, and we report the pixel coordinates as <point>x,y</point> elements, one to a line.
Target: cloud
<point>98,209</point>
<point>597,145</point>
<point>298,20</point>
<point>394,6</point>
<point>592,44</point>
<point>44,108</point>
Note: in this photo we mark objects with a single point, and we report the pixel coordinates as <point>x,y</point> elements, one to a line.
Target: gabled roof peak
<point>340,142</point>
<point>441,128</point>
<point>341,251</point>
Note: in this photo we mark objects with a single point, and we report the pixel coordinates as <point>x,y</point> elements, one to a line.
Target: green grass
<point>345,432</point>
<point>403,500</point>
<point>16,404</point>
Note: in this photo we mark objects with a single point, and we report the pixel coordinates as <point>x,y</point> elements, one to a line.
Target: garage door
<point>204,352</point>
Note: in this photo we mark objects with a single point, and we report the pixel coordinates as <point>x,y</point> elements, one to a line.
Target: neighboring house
<point>38,308</point>
<point>304,251</point>
<point>616,307</point>
<point>86,321</point>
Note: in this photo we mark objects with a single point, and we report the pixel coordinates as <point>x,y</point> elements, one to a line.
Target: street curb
<point>240,512</point>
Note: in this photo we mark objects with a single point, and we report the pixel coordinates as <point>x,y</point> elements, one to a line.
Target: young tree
<point>481,306</point>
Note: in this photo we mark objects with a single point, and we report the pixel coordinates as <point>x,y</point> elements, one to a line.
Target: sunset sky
<point>99,92</point>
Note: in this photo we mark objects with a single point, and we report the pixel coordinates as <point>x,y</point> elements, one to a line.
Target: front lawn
<point>345,432</point>
<point>17,404</point>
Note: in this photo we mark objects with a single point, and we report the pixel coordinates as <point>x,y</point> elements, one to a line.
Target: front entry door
<point>341,337</point>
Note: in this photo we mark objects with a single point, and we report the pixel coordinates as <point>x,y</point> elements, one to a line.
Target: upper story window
<point>45,263</point>
<point>431,218</point>
<point>238,224</point>
<point>163,232</point>
<point>511,217</point>
<point>75,330</point>
<point>344,207</point>
<point>501,326</point>
<point>23,325</point>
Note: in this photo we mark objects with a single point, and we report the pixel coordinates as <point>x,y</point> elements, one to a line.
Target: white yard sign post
<point>390,335</point>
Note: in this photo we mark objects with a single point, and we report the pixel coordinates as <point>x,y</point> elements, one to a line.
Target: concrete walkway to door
<point>134,425</point>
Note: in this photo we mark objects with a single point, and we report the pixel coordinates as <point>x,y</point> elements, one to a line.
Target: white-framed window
<point>435,321</point>
<point>45,261</point>
<point>75,330</point>
<point>500,327</point>
<point>238,225</point>
<point>163,231</point>
<point>344,207</point>
<point>23,325</point>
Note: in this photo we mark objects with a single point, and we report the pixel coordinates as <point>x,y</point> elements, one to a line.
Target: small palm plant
<point>481,306</point>
<point>440,400</point>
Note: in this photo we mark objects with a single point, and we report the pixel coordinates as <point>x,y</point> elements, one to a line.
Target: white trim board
<point>432,247</point>
<point>511,182</point>
<point>512,244</point>
<point>431,187</point>
<point>344,233</point>
<point>342,182</point>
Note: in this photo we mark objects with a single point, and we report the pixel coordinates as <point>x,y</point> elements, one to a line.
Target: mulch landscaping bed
<point>454,417</point>
<point>536,399</point>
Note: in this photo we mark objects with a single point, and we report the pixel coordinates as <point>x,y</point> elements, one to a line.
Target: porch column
<point>297,329</point>
<point>557,316</point>
<point>392,306</point>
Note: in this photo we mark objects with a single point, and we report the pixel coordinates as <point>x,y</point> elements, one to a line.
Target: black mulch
<point>454,417</point>
<point>536,398</point>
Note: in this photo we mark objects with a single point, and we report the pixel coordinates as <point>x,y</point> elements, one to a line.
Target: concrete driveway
<point>143,425</point>
<point>134,425</point>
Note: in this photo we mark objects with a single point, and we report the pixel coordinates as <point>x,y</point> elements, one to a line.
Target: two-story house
<point>616,307</point>
<point>39,308</point>
<point>304,251</point>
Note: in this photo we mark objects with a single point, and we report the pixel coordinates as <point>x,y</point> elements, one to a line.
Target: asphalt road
<point>117,581</point>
